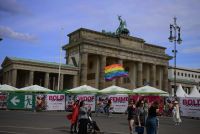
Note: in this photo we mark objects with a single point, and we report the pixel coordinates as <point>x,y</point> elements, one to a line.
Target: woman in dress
<point>74,117</point>
<point>176,113</point>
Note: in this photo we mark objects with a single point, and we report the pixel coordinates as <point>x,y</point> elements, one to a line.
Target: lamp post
<point>59,68</point>
<point>174,30</point>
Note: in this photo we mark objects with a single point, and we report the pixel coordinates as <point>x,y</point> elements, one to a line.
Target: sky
<point>36,29</point>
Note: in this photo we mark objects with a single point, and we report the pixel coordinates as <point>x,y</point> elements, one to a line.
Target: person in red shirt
<point>73,117</point>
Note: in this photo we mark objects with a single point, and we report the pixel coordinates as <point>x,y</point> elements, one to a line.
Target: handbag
<point>139,129</point>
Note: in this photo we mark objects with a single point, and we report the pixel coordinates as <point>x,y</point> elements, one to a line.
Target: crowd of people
<point>141,115</point>
<point>80,118</point>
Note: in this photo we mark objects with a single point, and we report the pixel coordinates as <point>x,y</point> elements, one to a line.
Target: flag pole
<point>59,69</point>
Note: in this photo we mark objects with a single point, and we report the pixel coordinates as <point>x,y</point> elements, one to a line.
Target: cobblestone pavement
<point>27,122</point>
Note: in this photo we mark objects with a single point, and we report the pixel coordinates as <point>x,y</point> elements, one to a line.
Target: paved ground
<point>26,122</point>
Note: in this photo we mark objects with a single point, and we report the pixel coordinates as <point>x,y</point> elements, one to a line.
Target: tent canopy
<point>194,92</point>
<point>84,89</point>
<point>35,88</point>
<point>180,92</point>
<point>7,88</point>
<point>115,90</point>
<point>148,90</point>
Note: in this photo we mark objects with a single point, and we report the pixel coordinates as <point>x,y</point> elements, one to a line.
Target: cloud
<point>12,7</point>
<point>10,33</point>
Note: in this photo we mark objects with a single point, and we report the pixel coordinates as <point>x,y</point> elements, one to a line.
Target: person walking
<point>99,107</point>
<point>140,118</point>
<point>176,113</point>
<point>152,121</point>
<point>83,118</point>
<point>131,111</point>
<point>107,107</point>
<point>73,117</point>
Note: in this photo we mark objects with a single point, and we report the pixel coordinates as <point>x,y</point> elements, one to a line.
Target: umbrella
<point>84,89</point>
<point>115,90</point>
<point>7,88</point>
<point>35,88</point>
<point>148,90</point>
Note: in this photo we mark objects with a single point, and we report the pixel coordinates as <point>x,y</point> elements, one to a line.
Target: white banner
<point>190,106</point>
<point>89,100</point>
<point>119,102</point>
<point>55,102</point>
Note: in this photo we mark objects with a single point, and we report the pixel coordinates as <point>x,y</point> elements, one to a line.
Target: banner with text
<point>89,100</point>
<point>119,102</point>
<point>55,102</point>
<point>190,106</point>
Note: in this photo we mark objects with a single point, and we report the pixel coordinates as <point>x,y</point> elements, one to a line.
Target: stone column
<point>97,73</point>
<point>139,74</point>
<point>9,77</point>
<point>31,78</point>
<point>102,65</point>
<point>14,77</point>
<point>153,75</point>
<point>46,80</point>
<point>148,74</point>
<point>158,77</point>
<point>84,63</point>
<point>165,78</point>
<point>133,76</point>
<point>120,80</point>
<point>75,81</point>
<point>4,78</point>
<point>61,81</point>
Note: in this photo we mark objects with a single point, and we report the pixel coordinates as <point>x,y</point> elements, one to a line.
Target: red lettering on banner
<point>86,98</point>
<point>191,102</point>
<point>119,99</point>
<point>56,97</point>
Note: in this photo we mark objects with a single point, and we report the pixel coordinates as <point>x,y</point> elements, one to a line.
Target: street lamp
<point>59,68</point>
<point>174,30</point>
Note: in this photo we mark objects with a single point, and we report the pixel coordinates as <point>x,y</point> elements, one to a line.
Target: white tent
<point>35,88</point>
<point>149,90</point>
<point>194,92</point>
<point>180,92</point>
<point>7,88</point>
<point>84,89</point>
<point>115,90</point>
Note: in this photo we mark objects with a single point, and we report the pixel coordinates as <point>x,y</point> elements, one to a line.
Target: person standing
<point>83,118</point>
<point>73,117</point>
<point>131,111</point>
<point>107,107</point>
<point>176,113</point>
<point>140,118</point>
<point>146,109</point>
<point>152,121</point>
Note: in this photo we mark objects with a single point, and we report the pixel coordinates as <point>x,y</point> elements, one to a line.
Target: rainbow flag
<point>114,71</point>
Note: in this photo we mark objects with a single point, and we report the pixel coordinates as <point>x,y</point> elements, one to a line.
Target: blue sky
<point>36,29</point>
